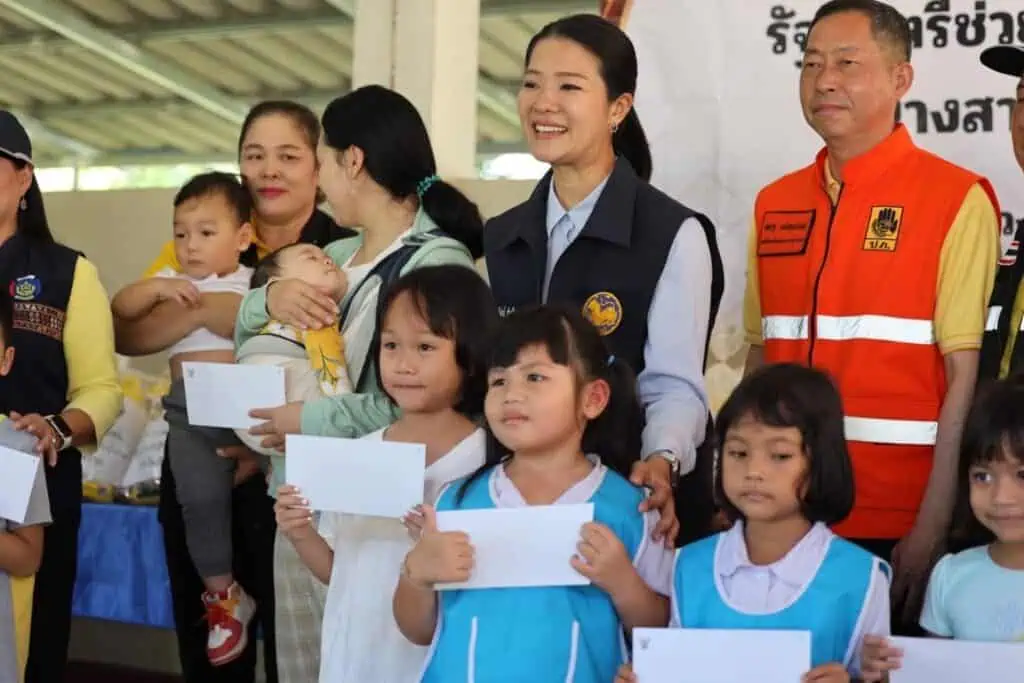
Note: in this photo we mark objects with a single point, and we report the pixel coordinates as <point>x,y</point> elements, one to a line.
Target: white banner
<point>718,97</point>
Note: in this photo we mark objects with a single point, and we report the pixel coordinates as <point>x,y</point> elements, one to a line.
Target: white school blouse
<point>360,642</point>
<point>764,589</point>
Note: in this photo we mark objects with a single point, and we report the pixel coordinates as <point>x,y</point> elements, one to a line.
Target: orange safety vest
<point>851,289</point>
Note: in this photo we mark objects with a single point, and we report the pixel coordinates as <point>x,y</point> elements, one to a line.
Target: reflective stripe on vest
<point>844,328</point>
<point>902,432</point>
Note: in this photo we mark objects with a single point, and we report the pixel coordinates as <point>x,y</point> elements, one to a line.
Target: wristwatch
<point>673,463</point>
<point>60,427</point>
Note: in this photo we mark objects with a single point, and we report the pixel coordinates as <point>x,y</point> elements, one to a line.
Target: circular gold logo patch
<point>604,311</point>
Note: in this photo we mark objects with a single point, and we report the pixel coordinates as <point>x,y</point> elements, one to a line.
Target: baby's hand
<point>878,657</point>
<point>413,522</point>
<point>602,558</point>
<point>438,557</point>
<point>625,674</point>
<point>291,510</point>
<point>827,673</point>
<point>175,289</point>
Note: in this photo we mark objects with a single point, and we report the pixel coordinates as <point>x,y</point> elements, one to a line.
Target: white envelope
<point>519,547</point>
<point>358,476</point>
<point>222,394</point>
<point>18,472</point>
<point>941,660</point>
<point>680,655</point>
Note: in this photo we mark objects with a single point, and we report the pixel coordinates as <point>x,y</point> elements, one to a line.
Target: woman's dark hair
<point>790,395</point>
<point>614,50</point>
<point>993,431</point>
<point>301,115</point>
<point>455,303</point>
<point>32,222</point>
<point>398,156</point>
<point>572,341</point>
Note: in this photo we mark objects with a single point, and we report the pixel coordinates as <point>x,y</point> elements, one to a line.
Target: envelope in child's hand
<point>357,476</point>
<point>519,547</point>
<point>222,394</point>
<point>18,472</point>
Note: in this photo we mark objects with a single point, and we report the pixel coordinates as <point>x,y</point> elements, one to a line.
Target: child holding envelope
<point>211,231</point>
<point>784,477</point>
<point>431,347</point>
<point>978,594</point>
<point>560,413</point>
<point>21,542</point>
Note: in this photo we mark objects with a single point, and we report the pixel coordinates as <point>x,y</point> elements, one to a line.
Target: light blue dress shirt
<point>671,385</point>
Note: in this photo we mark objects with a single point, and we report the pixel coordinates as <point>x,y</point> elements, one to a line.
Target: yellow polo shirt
<point>93,385</point>
<point>967,271</point>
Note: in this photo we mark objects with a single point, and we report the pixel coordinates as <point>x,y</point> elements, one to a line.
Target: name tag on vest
<point>785,233</point>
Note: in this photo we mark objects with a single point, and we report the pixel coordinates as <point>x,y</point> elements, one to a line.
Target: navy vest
<point>39,277</point>
<point>1000,311</point>
<point>610,270</point>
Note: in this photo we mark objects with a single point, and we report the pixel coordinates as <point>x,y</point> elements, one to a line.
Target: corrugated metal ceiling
<point>166,81</point>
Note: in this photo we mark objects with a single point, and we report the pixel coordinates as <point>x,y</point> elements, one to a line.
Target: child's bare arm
<point>21,550</point>
<point>415,608</point>
<point>138,299</point>
<point>219,311</point>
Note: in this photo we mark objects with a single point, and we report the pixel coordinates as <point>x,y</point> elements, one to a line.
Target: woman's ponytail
<point>455,214</point>
<point>630,142</point>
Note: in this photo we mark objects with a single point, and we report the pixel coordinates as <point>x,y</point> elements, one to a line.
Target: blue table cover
<point>122,571</point>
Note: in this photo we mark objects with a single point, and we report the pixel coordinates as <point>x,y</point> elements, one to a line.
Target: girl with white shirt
<point>784,477</point>
<point>561,413</point>
<point>431,349</point>
<point>978,593</point>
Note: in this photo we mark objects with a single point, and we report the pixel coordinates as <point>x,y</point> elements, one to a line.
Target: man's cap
<point>1006,59</point>
<point>14,141</point>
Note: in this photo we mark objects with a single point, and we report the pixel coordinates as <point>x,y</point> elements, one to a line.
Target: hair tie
<point>611,360</point>
<point>424,185</point>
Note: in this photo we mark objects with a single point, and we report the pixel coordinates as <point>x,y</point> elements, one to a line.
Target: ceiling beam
<point>179,31</point>
<point>42,134</point>
<point>314,99</point>
<point>499,8</point>
<point>128,56</point>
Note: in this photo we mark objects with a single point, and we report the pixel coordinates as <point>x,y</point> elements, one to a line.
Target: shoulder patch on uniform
<point>883,229</point>
<point>784,233</point>
<point>26,288</point>
<point>604,311</point>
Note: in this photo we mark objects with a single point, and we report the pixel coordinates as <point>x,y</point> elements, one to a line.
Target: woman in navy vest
<point>63,386</point>
<point>641,266</point>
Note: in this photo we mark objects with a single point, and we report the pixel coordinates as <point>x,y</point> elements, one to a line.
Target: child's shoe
<point>228,615</point>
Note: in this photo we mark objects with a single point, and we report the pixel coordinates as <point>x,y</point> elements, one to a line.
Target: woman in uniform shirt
<point>642,267</point>
<point>62,388</point>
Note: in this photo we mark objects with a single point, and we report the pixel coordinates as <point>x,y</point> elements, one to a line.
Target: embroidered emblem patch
<point>39,318</point>
<point>26,288</point>
<point>604,311</point>
<point>883,229</point>
<point>784,233</point>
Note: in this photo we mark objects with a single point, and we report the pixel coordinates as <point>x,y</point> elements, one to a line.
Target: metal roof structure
<point>141,82</point>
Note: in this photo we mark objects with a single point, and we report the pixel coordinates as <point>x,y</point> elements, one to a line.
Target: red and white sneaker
<point>228,615</point>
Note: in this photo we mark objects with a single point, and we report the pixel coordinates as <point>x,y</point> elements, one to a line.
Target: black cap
<point>1006,59</point>
<point>14,141</point>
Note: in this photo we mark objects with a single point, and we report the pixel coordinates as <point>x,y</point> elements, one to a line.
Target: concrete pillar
<point>428,51</point>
